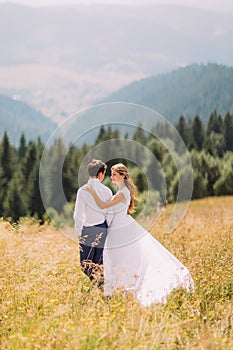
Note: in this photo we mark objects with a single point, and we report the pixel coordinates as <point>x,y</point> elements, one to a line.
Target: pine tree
<point>140,181</point>
<point>215,124</point>
<point>109,133</point>
<point>154,174</point>
<point>26,173</point>
<point>139,135</point>
<point>14,205</point>
<point>228,131</point>
<point>183,130</point>
<point>70,173</point>
<point>116,134</point>
<point>51,176</point>
<point>101,135</point>
<point>27,164</point>
<point>22,146</point>
<point>157,148</point>
<point>7,167</point>
<point>198,133</point>
<point>35,204</point>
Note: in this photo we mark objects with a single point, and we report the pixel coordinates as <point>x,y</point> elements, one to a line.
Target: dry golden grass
<point>47,303</point>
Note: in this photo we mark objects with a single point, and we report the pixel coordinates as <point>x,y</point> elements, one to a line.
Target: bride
<point>133,259</point>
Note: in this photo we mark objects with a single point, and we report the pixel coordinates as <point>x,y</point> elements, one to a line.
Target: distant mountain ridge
<point>17,117</point>
<point>62,59</point>
<point>189,91</point>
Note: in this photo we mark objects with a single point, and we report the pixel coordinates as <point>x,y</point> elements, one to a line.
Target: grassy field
<point>47,303</point>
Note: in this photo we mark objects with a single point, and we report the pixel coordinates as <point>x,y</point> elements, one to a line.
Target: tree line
<point>210,147</point>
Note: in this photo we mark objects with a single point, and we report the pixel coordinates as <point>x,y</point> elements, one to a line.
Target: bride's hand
<point>87,188</point>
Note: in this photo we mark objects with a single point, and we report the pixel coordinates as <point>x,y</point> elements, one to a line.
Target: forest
<point>210,147</point>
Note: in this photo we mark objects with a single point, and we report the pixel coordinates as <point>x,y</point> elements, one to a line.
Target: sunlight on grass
<point>47,302</point>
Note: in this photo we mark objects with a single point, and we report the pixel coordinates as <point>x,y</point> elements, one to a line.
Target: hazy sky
<point>219,5</point>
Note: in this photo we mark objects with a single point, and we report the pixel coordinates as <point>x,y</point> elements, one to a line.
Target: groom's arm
<point>78,213</point>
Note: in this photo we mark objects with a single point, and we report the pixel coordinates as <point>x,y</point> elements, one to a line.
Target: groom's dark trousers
<point>91,248</point>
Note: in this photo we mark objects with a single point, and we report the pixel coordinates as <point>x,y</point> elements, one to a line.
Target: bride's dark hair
<point>122,170</point>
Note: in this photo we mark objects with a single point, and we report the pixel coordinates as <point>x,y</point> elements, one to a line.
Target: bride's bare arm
<point>118,198</point>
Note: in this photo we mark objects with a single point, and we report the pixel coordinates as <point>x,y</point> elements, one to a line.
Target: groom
<point>91,222</point>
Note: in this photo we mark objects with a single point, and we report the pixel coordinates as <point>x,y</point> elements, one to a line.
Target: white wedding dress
<point>135,261</point>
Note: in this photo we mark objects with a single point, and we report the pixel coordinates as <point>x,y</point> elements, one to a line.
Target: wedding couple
<point>113,246</point>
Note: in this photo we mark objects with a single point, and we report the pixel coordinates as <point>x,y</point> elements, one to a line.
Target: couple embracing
<point>114,249</point>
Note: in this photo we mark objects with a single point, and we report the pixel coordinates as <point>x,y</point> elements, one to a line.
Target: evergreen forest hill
<point>210,147</point>
<point>197,89</point>
<point>190,91</point>
<point>17,117</point>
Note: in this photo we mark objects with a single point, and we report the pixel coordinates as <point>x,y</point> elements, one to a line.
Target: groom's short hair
<point>95,167</point>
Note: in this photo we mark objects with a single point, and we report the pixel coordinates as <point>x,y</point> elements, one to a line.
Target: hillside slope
<point>17,117</point>
<point>193,90</point>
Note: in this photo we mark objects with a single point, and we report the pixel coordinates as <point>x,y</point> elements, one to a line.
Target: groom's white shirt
<point>86,211</point>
